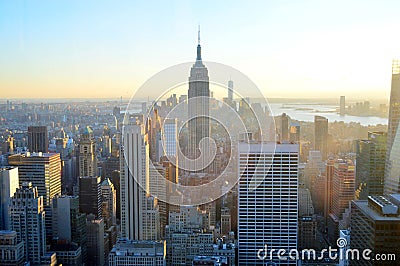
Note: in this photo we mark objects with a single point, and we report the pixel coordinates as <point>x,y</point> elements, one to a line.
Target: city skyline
<point>83,50</point>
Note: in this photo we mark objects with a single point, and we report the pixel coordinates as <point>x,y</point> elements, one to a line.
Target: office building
<point>69,224</point>
<point>109,202</point>
<point>68,254</point>
<point>342,186</point>
<point>95,240</point>
<point>370,167</point>
<point>230,90</point>
<point>321,135</point>
<point>9,183</point>
<point>307,232</point>
<point>329,170</point>
<point>170,135</point>
<point>90,195</point>
<point>226,224</point>
<point>375,225</point>
<point>43,170</point>
<point>294,132</point>
<point>11,249</point>
<point>267,214</point>
<point>38,140</point>
<point>392,170</point>
<point>284,127</point>
<point>132,252</point>
<point>27,219</point>
<point>87,153</point>
<point>306,207</point>
<point>198,105</point>
<point>138,209</point>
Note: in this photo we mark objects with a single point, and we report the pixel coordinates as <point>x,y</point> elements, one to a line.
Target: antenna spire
<point>198,36</point>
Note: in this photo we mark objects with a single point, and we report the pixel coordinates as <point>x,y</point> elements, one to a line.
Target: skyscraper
<point>230,90</point>
<point>267,214</point>
<point>198,97</point>
<point>90,195</point>
<point>170,134</point>
<point>109,202</point>
<point>294,132</point>
<point>8,186</point>
<point>375,225</point>
<point>95,240</point>
<point>321,135</point>
<point>392,172</point>
<point>370,167</point>
<point>43,170</point>
<point>87,153</point>
<point>137,211</point>
<point>342,186</point>
<point>27,219</point>
<point>38,140</point>
<point>68,223</point>
<point>284,127</point>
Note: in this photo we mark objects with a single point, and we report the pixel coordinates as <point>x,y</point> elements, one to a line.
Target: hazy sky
<point>293,48</point>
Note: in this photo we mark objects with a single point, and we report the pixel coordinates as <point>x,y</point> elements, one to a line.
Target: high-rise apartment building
<point>321,135</point>
<point>267,214</point>
<point>38,140</point>
<point>370,167</point>
<point>87,153</point>
<point>27,219</point>
<point>9,183</point>
<point>392,170</point>
<point>199,104</point>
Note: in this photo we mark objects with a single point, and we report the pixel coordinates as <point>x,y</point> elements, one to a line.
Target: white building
<point>138,210</point>
<point>27,219</point>
<point>131,252</point>
<point>8,186</point>
<point>267,213</point>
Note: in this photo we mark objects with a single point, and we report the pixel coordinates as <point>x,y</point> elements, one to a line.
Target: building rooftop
<point>373,214</point>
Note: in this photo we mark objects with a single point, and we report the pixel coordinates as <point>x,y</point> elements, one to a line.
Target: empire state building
<point>199,104</point>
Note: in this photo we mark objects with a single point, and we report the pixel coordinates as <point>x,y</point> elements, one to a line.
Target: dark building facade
<point>38,140</point>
